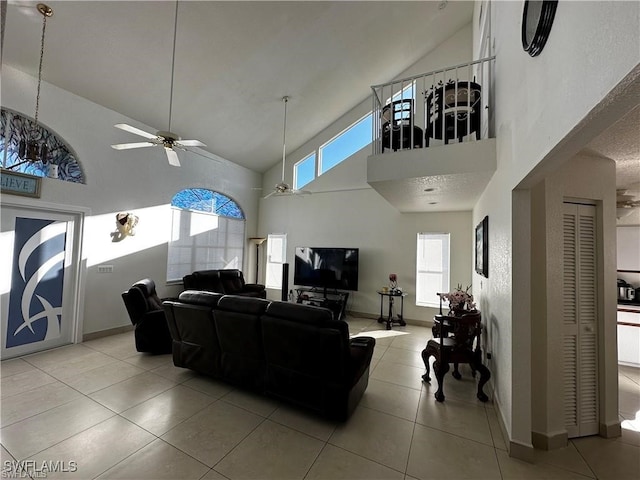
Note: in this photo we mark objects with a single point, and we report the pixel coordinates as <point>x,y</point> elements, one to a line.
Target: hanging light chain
<point>46,12</point>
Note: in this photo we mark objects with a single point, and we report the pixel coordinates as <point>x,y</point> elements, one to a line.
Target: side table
<point>390,320</point>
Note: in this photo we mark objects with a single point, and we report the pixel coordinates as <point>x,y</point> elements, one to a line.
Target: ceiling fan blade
<point>190,143</point>
<point>127,146</point>
<point>172,157</point>
<point>135,131</point>
<point>269,195</point>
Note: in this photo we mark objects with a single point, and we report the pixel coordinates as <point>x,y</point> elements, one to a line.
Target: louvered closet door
<point>580,353</point>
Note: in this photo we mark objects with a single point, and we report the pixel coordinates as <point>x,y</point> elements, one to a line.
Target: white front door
<point>39,279</point>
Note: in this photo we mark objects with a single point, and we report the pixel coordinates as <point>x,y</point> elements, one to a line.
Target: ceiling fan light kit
<point>625,204</point>
<point>167,139</point>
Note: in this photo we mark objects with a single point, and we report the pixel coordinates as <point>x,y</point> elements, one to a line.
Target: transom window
<point>304,171</point>
<point>14,127</point>
<point>207,232</point>
<point>208,201</point>
<point>343,145</point>
<point>336,150</point>
<point>346,144</point>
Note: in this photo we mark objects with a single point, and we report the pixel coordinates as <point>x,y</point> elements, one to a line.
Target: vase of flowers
<point>460,300</point>
<point>393,281</point>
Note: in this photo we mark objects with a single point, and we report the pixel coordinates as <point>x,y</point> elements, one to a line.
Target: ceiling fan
<point>625,204</point>
<point>283,188</point>
<point>168,139</point>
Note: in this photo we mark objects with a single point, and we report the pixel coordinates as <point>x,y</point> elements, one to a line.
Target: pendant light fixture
<point>30,149</point>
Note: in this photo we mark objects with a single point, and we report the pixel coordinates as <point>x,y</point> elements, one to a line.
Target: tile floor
<point>119,414</point>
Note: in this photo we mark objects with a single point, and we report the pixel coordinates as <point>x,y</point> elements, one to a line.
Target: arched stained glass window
<point>204,200</point>
<point>14,126</point>
<point>207,232</point>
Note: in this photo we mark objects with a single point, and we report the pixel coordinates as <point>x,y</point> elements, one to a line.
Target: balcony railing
<point>444,106</point>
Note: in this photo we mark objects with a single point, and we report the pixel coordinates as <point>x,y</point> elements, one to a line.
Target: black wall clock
<point>537,18</point>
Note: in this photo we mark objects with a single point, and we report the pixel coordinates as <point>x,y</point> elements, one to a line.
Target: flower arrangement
<point>393,281</point>
<point>459,299</point>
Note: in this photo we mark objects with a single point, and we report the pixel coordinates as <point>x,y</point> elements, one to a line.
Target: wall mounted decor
<point>20,184</point>
<point>125,224</point>
<point>537,19</point>
<point>482,247</point>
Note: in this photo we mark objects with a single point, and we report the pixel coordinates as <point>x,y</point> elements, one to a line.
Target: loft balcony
<point>433,147</point>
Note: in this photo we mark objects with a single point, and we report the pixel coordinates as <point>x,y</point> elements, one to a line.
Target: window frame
<point>273,270</point>
<point>423,300</point>
<point>201,251</point>
<point>15,126</point>
<point>296,165</point>
<point>319,167</point>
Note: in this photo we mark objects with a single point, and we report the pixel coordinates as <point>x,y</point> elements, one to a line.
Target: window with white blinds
<point>276,256</point>
<point>432,268</point>
<point>201,239</point>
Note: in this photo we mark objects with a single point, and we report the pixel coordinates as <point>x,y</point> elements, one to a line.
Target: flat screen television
<point>332,268</point>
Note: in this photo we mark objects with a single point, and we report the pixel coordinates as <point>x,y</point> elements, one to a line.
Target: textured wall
<point>139,181</point>
<point>539,103</point>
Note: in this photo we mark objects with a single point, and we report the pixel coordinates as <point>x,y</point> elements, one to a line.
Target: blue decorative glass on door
<point>37,279</point>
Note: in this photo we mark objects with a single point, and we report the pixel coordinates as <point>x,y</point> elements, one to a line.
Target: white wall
<point>539,102</point>
<point>455,50</point>
<point>344,211</point>
<point>628,241</point>
<point>588,178</point>
<point>365,220</point>
<point>138,181</point>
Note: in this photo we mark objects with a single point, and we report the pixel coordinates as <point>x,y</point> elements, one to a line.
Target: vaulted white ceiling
<point>234,62</point>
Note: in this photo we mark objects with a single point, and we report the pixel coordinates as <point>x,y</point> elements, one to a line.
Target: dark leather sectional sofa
<point>297,353</point>
<point>228,281</point>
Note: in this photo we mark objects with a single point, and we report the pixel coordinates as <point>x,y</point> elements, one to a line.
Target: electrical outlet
<point>105,268</point>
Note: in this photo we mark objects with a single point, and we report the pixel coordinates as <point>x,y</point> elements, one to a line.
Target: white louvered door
<point>580,353</point>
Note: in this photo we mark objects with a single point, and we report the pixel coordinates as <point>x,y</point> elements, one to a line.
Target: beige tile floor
<point>119,414</point>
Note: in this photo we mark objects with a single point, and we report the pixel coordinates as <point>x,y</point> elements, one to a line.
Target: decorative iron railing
<point>453,104</point>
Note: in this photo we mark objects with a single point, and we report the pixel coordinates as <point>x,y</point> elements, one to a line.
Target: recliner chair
<point>147,315</point>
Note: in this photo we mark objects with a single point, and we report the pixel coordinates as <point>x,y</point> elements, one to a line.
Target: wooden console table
<point>390,320</point>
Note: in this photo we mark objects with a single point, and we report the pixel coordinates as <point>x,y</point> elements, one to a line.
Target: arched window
<point>14,126</point>
<point>207,232</point>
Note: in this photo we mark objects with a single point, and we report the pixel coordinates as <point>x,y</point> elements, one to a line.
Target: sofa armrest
<point>153,316</point>
<point>361,350</point>
<point>254,287</point>
<point>363,342</point>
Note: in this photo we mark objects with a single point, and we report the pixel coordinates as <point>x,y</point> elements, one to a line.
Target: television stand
<point>332,299</point>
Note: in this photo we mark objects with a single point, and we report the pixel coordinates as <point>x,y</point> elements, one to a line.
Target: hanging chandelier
<point>30,149</point>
